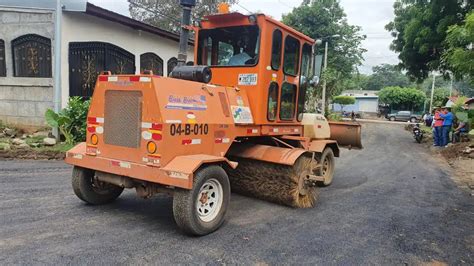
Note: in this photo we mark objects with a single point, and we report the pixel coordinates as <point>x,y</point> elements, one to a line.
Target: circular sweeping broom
<point>282,184</point>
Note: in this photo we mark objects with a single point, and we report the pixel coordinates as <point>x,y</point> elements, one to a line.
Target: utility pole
<point>323,94</point>
<point>324,81</point>
<point>451,88</point>
<point>57,62</point>
<point>432,91</point>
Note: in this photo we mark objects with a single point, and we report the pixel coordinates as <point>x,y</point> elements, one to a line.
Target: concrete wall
<point>81,27</point>
<point>24,101</point>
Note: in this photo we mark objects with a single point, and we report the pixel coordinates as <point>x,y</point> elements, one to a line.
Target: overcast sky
<point>371,15</point>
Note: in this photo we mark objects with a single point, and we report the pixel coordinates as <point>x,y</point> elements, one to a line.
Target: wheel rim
<point>326,169</point>
<point>209,200</point>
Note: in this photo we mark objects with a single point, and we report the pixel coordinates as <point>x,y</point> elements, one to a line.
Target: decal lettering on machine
<point>241,114</point>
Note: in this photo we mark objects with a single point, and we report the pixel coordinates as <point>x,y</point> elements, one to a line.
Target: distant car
<point>404,116</point>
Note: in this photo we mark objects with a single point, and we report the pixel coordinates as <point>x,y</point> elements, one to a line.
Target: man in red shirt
<point>437,125</point>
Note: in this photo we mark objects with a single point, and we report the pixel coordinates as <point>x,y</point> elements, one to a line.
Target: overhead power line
<point>154,12</point>
<point>243,7</point>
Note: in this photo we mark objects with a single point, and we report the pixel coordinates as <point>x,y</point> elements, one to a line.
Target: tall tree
<point>386,75</point>
<point>322,18</point>
<point>460,51</point>
<point>419,29</point>
<point>166,14</point>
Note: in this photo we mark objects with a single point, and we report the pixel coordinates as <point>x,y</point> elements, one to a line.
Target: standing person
<point>437,124</point>
<point>428,119</point>
<point>448,118</point>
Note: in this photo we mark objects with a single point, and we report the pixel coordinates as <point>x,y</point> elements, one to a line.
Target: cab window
<point>304,79</point>
<point>288,101</point>
<point>272,101</point>
<point>291,56</point>
<point>276,49</point>
<point>229,46</point>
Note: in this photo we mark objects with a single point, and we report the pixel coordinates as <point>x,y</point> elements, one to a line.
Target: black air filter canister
<point>193,73</point>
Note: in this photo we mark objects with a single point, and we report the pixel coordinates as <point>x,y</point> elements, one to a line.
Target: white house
<point>366,101</point>
<point>91,42</point>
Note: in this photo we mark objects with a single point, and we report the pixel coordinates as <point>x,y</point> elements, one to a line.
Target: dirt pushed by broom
<point>275,182</point>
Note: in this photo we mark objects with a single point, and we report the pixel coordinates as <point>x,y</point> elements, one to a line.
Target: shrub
<point>334,117</point>
<point>402,98</point>
<point>344,100</point>
<point>71,121</point>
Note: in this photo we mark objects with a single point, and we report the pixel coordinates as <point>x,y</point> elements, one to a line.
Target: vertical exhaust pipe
<point>187,6</point>
<point>181,71</point>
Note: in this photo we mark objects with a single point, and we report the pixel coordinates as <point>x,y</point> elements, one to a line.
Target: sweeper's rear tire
<point>202,209</point>
<point>327,162</point>
<point>90,190</point>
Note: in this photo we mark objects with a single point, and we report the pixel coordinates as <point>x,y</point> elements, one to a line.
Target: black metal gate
<point>3,67</point>
<point>88,59</point>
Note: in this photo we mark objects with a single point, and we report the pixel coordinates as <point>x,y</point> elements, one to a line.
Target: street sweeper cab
<point>234,121</point>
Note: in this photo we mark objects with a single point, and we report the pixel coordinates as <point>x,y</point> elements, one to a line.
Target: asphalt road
<point>389,204</point>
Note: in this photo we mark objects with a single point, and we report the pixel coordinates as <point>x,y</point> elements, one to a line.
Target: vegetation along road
<point>390,203</point>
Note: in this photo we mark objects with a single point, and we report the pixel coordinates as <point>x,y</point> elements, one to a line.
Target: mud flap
<point>183,167</point>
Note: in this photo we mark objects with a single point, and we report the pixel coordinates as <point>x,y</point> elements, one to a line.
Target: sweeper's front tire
<point>90,190</point>
<point>201,210</point>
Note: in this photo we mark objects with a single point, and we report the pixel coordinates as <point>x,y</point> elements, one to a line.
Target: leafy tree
<point>166,14</point>
<point>357,81</point>
<point>322,18</point>
<point>459,87</point>
<point>386,75</point>
<point>439,96</point>
<point>343,100</point>
<point>460,53</point>
<point>419,29</point>
<point>402,98</point>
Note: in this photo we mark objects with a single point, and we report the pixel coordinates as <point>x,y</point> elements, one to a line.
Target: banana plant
<point>60,121</point>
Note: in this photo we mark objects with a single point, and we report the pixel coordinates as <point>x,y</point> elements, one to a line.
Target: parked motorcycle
<point>417,133</point>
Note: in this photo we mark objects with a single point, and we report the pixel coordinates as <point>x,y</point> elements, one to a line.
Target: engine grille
<point>122,118</point>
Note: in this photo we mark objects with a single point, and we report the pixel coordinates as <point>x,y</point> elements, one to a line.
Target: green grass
<point>61,147</point>
<point>37,139</point>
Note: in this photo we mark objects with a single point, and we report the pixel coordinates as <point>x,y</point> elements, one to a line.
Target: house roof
<point>361,92</point>
<point>453,99</point>
<point>102,13</point>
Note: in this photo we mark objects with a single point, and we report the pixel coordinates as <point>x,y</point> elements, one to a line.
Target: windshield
<point>230,46</point>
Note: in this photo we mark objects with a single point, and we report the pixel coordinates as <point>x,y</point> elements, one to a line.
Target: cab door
<point>290,83</point>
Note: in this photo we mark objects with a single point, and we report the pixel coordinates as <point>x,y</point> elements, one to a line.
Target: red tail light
<point>155,126</point>
<point>92,120</point>
<point>135,78</point>
<point>156,136</point>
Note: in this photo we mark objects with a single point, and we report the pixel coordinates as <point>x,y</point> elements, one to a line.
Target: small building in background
<point>451,101</point>
<point>366,102</point>
<point>91,42</point>
<point>468,104</point>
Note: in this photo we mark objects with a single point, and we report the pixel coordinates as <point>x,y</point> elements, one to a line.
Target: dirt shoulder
<point>459,156</point>
<point>18,144</point>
